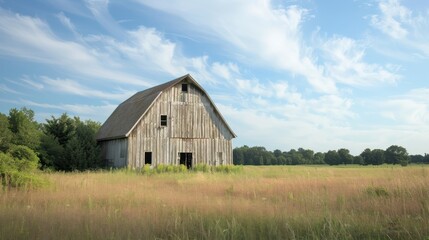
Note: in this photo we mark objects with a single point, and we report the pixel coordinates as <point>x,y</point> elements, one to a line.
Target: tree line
<point>64,143</point>
<point>257,155</point>
<point>67,143</point>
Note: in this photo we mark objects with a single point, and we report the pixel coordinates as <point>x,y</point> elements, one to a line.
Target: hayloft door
<point>186,159</point>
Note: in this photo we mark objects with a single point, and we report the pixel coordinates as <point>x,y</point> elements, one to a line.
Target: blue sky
<point>285,74</point>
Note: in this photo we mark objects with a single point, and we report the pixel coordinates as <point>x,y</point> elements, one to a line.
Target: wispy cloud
<point>411,108</point>
<point>392,19</point>
<point>66,22</point>
<point>45,47</point>
<point>346,65</point>
<point>75,88</point>
<point>410,29</point>
<point>31,83</point>
<point>273,37</point>
<point>95,112</point>
<point>257,31</point>
<point>5,88</point>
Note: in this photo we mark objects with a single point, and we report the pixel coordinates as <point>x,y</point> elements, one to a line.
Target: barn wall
<point>114,152</point>
<point>193,126</point>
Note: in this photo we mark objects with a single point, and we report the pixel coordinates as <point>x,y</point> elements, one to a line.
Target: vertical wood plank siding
<point>114,152</point>
<point>192,126</point>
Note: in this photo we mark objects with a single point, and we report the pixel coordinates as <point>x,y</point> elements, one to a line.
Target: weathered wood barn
<point>172,123</point>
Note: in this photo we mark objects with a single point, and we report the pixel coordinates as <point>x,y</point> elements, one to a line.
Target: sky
<point>320,75</point>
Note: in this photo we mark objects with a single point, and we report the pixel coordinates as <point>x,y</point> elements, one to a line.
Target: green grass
<point>278,202</point>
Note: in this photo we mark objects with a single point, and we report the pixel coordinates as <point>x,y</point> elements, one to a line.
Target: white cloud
<point>410,29</point>
<point>5,88</point>
<point>100,11</point>
<point>346,65</point>
<point>392,18</point>
<point>45,47</point>
<point>66,22</point>
<point>224,71</point>
<point>75,88</point>
<point>85,111</point>
<point>30,83</point>
<point>264,35</point>
<point>411,108</point>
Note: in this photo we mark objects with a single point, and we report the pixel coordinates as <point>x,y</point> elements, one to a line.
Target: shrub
<point>228,168</point>
<point>201,168</point>
<point>146,169</point>
<point>161,168</point>
<point>25,158</point>
<point>19,171</point>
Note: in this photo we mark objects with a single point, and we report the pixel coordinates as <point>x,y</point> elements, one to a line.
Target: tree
<point>358,160</point>
<point>319,158</point>
<point>82,151</point>
<point>51,153</point>
<point>332,157</point>
<point>307,155</point>
<point>296,157</point>
<point>61,128</point>
<point>5,133</point>
<point>366,156</point>
<point>238,156</point>
<point>397,155</point>
<point>345,156</point>
<point>25,130</point>
<point>377,156</point>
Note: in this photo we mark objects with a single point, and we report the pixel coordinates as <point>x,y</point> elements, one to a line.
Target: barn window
<point>148,158</point>
<point>163,120</point>
<point>184,87</point>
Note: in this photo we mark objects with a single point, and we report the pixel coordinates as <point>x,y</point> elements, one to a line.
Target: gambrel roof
<point>126,116</point>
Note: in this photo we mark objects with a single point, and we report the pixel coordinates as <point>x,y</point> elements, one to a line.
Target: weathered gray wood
<point>111,152</point>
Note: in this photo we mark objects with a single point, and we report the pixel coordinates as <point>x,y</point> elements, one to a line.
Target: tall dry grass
<point>258,203</point>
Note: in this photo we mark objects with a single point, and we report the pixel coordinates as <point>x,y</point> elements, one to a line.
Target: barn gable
<point>160,123</point>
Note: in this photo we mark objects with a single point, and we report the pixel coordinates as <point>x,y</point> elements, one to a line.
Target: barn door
<point>186,159</point>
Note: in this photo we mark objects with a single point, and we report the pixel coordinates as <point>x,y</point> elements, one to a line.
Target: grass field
<point>290,202</point>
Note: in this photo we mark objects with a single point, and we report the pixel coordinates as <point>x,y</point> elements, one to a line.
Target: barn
<point>172,123</point>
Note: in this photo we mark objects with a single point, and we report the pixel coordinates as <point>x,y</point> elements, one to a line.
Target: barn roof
<point>126,116</point>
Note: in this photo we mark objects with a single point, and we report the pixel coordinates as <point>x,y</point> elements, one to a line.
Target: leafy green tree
<point>51,153</point>
<point>417,158</point>
<point>366,156</point>
<point>307,155</point>
<point>62,128</point>
<point>358,160</point>
<point>26,159</point>
<point>281,160</point>
<point>238,156</point>
<point>332,158</point>
<point>397,155</point>
<point>377,156</point>
<point>345,156</point>
<point>5,133</point>
<point>319,158</point>
<point>82,151</point>
<point>277,153</point>
<point>25,130</point>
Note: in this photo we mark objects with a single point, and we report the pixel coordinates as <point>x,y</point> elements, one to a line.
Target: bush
<point>19,171</point>
<point>228,168</point>
<point>25,158</point>
<point>201,168</point>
